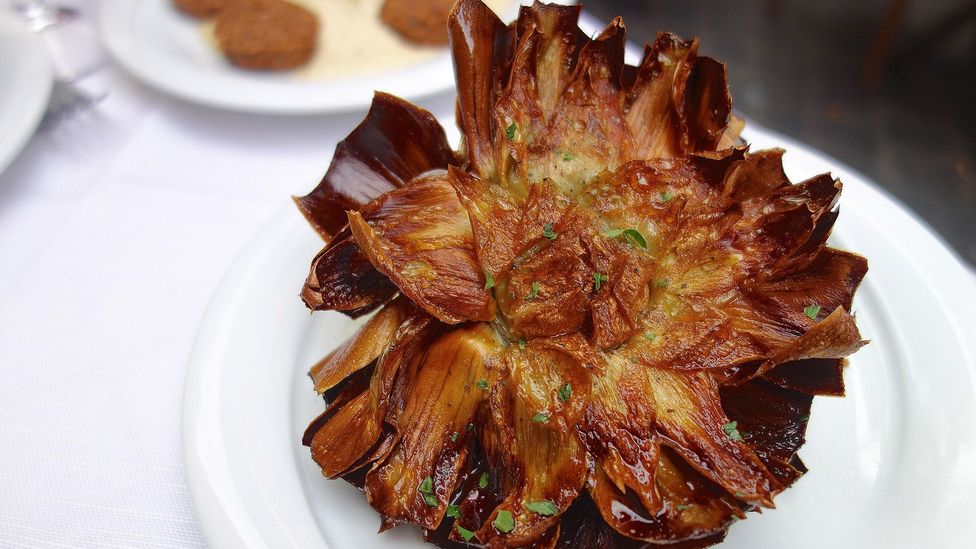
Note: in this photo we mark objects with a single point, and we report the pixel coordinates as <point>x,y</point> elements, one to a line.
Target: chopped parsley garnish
<point>489,281</point>
<point>812,311</point>
<point>454,511</point>
<point>683,506</point>
<point>504,521</point>
<point>598,280</point>
<point>732,431</point>
<point>545,507</point>
<point>482,384</point>
<point>465,533</point>
<point>567,156</point>
<point>565,392</point>
<point>483,480</point>
<point>521,343</point>
<point>548,232</point>
<point>510,131</point>
<point>454,436</point>
<point>534,293</point>
<point>663,283</point>
<point>739,494</point>
<point>541,417</point>
<point>426,489</point>
<point>633,236</point>
<point>666,195</point>
<point>805,419</point>
<point>650,336</point>
<point>471,427</point>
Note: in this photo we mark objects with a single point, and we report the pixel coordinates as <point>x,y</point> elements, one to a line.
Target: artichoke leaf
<point>531,444</point>
<point>443,398</point>
<point>362,348</point>
<point>396,142</point>
<point>420,237</point>
<point>342,279</point>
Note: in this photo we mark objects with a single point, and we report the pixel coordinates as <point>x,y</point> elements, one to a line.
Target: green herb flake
<point>805,419</point>
<point>454,511</point>
<point>565,392</point>
<point>521,343</point>
<point>567,156</point>
<point>683,506</point>
<point>454,436</point>
<point>471,427</point>
<point>510,131</point>
<point>650,336</point>
<point>545,507</point>
<point>739,494</point>
<point>482,384</point>
<point>633,236</point>
<point>426,489</point>
<point>732,431</point>
<point>534,293</point>
<point>483,480</point>
<point>504,521</point>
<point>548,232</point>
<point>598,280</point>
<point>541,417</point>
<point>663,283</point>
<point>489,281</point>
<point>666,195</point>
<point>812,311</point>
<point>465,533</point>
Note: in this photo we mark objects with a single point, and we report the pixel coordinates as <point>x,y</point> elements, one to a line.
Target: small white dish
<point>168,50</point>
<point>26,76</point>
<point>891,465</point>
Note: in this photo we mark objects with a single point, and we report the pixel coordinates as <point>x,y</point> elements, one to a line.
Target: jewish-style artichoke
<point>600,323</point>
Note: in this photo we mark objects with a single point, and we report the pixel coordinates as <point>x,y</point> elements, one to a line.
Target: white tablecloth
<point>115,229</point>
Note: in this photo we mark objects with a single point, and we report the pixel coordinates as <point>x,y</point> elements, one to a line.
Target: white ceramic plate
<point>166,50</point>
<point>891,465</point>
<point>25,85</point>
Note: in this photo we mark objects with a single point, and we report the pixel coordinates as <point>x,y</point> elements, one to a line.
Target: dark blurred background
<point>886,86</point>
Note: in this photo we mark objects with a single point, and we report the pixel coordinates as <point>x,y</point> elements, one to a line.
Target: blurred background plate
<point>891,465</point>
<point>172,52</point>
<point>26,76</point>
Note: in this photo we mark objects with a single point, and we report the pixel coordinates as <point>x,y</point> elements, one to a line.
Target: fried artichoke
<point>600,323</point>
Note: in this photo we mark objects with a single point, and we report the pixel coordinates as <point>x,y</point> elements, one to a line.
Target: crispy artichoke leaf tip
<point>396,142</point>
<point>342,279</point>
<point>361,349</point>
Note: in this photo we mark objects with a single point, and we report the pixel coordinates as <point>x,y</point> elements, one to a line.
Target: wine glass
<point>39,15</point>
